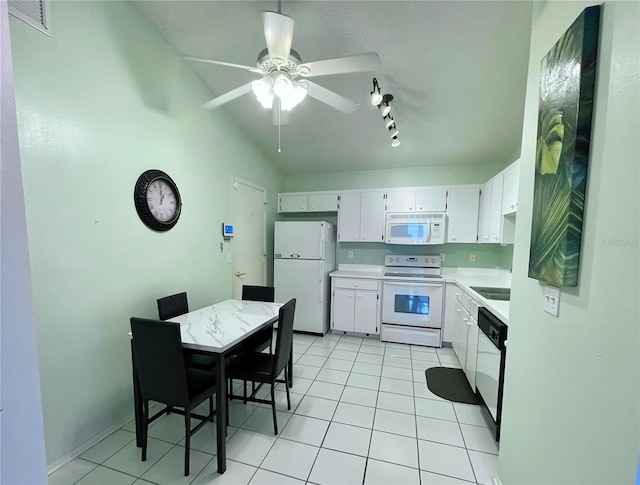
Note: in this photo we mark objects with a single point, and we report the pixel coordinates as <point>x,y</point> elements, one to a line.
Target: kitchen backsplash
<point>455,255</point>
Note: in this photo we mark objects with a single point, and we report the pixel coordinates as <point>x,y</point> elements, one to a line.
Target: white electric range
<point>412,300</point>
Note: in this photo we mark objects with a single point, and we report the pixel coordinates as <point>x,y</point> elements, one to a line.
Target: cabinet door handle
<point>355,284</point>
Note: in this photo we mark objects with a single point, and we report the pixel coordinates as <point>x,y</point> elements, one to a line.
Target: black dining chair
<point>176,305</point>
<point>164,377</point>
<point>265,368</point>
<point>261,340</point>
<point>264,293</point>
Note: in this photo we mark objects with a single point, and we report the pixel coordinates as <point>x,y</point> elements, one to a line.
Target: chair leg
<point>145,428</point>
<point>187,440</point>
<point>211,408</point>
<point>291,367</point>
<point>286,387</point>
<point>244,385</point>
<point>230,390</point>
<point>273,409</point>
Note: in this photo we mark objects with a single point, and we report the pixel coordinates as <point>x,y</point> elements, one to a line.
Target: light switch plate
<point>229,260</point>
<point>350,255</point>
<point>472,257</point>
<point>552,300</point>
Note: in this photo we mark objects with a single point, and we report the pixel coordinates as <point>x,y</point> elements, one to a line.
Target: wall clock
<point>157,200</point>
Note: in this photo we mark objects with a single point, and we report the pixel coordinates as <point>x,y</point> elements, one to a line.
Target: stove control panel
<point>412,261</point>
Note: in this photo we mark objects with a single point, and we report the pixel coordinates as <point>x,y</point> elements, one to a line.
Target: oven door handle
<point>399,283</point>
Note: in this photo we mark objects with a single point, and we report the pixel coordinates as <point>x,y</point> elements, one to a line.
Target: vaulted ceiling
<point>456,69</point>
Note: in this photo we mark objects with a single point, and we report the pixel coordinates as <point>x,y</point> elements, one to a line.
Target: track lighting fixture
<point>384,105</point>
<point>376,97</point>
<point>390,123</point>
<point>383,102</point>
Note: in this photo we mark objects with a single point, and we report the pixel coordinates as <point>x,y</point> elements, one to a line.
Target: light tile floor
<point>361,413</point>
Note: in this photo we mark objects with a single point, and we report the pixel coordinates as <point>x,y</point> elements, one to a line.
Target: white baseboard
<point>79,450</point>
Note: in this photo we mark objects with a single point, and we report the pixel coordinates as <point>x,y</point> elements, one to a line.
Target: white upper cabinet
<point>292,203</point>
<point>498,207</point>
<point>495,213</point>
<point>432,199</point>
<point>462,211</point>
<point>510,188</point>
<point>310,202</point>
<point>429,199</point>
<point>372,217</point>
<point>361,217</point>
<point>485,213</point>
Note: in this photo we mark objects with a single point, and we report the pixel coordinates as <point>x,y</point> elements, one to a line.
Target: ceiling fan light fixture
<point>293,97</point>
<point>395,142</point>
<point>390,123</point>
<point>282,85</point>
<point>395,132</point>
<point>385,110</point>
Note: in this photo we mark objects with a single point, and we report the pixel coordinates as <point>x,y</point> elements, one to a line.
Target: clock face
<point>157,200</point>
<point>161,200</point>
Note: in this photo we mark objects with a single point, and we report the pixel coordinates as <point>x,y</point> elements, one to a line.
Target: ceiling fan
<point>284,82</point>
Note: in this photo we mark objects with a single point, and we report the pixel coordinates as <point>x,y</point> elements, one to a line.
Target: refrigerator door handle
<point>320,287</point>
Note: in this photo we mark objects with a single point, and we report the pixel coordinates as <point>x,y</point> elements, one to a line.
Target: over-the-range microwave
<point>415,228</point>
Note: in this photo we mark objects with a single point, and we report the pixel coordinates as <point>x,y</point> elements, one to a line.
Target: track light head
<point>376,97</point>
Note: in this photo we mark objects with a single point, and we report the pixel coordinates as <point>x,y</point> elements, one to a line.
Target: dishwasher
<point>490,364</point>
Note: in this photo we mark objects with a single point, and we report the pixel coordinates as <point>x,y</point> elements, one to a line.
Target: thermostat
<point>227,230</point>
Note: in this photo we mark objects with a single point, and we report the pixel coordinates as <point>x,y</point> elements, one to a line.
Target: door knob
<point>240,275</point>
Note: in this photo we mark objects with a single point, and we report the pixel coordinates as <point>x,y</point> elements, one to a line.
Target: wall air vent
<point>33,12</point>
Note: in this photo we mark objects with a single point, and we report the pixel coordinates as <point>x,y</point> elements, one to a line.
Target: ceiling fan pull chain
<point>279,123</point>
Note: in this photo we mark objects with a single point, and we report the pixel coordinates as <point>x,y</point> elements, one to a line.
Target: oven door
<point>413,304</point>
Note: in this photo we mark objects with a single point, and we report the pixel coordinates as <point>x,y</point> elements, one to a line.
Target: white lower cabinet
<point>465,335</point>
<point>355,305</point>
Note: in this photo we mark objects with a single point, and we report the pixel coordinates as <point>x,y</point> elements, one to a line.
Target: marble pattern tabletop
<point>218,327</point>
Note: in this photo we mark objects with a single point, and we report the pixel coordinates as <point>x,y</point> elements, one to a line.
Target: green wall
<point>571,405</point>
<point>100,101</point>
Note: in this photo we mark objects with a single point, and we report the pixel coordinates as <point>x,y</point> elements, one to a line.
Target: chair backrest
<point>157,349</point>
<point>172,306</point>
<point>259,293</point>
<point>284,337</point>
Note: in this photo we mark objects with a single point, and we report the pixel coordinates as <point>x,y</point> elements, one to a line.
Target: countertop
<point>370,271</point>
<point>465,278</point>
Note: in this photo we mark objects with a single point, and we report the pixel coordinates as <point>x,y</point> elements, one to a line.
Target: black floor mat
<point>450,384</point>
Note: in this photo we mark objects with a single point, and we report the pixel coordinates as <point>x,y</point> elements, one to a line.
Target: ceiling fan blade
<point>278,32</point>
<point>279,117</point>
<point>331,98</point>
<point>357,63</point>
<point>228,96</point>
<point>230,64</point>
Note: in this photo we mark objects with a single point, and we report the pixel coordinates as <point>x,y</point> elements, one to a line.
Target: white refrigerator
<point>304,255</point>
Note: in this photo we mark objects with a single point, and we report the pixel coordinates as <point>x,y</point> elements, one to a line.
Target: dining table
<point>218,329</point>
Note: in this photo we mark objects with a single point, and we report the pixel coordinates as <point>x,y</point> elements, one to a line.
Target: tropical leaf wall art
<point>567,86</point>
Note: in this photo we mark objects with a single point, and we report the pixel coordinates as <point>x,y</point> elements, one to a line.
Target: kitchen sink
<point>493,293</point>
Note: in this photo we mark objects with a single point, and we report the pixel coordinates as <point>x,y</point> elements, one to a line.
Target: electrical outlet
<point>441,256</point>
<point>350,255</point>
<point>552,300</point>
<point>472,257</point>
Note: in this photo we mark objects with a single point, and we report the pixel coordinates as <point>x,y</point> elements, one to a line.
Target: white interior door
<point>248,212</point>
